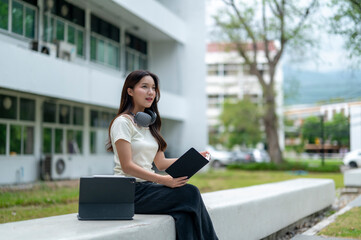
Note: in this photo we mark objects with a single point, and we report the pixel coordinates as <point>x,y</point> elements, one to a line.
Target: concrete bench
<point>352,178</point>
<point>244,213</point>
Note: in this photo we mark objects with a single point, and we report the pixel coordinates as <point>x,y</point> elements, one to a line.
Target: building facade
<point>298,113</point>
<point>63,65</point>
<point>228,78</point>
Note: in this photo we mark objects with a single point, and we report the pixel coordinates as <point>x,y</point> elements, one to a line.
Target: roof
<point>225,47</point>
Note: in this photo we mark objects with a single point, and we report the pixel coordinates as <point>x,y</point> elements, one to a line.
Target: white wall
<point>355,127</point>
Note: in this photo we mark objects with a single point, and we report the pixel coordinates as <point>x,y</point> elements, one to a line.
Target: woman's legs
<point>184,204</point>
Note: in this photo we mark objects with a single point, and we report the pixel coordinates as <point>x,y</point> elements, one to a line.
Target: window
<point>2,139</point>
<point>4,14</point>
<point>49,112</point>
<point>64,114</point>
<point>8,106</point>
<point>47,140</point>
<point>27,109</point>
<point>135,53</point>
<point>21,139</point>
<point>74,141</point>
<point>58,27</point>
<point>230,69</point>
<point>104,42</point>
<point>212,69</point>
<point>78,116</point>
<point>23,18</point>
<point>99,122</point>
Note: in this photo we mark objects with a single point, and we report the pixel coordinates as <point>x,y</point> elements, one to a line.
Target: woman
<point>136,147</point>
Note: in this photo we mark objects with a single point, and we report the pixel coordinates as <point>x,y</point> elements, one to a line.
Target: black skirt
<point>184,204</point>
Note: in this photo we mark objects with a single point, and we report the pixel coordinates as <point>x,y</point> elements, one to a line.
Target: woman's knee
<point>190,190</point>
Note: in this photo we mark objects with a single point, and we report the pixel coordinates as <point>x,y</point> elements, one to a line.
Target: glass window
<point>59,140</point>
<point>94,118</point>
<point>80,43</point>
<point>28,140</point>
<point>64,114</point>
<point>78,116</point>
<point>49,112</point>
<point>29,23</point>
<point>15,139</point>
<point>71,34</point>
<point>130,61</point>
<point>47,139</point>
<point>59,30</point>
<point>2,139</point>
<point>93,142</point>
<point>17,18</point>
<point>8,107</point>
<point>105,119</point>
<point>48,28</point>
<point>4,14</point>
<point>74,141</point>
<point>100,51</point>
<point>27,109</point>
<point>79,140</point>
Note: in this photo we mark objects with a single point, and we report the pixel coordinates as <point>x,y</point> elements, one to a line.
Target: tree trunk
<point>271,125</point>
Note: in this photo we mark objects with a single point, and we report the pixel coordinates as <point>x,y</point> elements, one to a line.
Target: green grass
<point>346,225</point>
<point>44,201</point>
<point>219,180</point>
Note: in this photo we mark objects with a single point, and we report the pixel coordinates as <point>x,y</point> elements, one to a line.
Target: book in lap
<point>106,197</point>
<point>187,165</point>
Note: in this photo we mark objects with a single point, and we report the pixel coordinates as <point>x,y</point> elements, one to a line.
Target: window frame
<point>47,16</point>
<point>18,122</point>
<point>106,42</point>
<point>9,29</point>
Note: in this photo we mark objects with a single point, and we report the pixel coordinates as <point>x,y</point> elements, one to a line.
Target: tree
<point>311,129</point>
<point>346,22</point>
<point>257,24</point>
<point>338,129</point>
<point>241,121</point>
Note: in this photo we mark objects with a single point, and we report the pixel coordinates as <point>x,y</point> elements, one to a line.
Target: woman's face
<point>143,93</point>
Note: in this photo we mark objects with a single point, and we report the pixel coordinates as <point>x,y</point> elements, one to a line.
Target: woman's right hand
<point>171,182</point>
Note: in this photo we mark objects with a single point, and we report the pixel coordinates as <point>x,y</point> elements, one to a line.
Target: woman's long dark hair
<point>126,104</point>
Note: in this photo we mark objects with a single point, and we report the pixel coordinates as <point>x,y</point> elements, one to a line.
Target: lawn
<point>55,199</point>
<point>346,225</point>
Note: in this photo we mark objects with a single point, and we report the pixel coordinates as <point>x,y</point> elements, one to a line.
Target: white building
<point>57,100</point>
<point>228,78</point>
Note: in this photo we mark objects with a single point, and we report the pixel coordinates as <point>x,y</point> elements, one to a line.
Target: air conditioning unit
<point>45,48</point>
<point>66,51</point>
<point>60,167</point>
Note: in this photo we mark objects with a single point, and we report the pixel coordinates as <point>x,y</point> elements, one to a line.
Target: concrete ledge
<point>259,211</point>
<point>352,178</point>
<point>70,228</point>
<point>244,213</point>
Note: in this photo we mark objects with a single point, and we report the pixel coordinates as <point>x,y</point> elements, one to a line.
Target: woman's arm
<point>161,162</point>
<point>129,167</point>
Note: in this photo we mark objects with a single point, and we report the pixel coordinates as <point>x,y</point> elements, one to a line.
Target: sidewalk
<point>311,233</point>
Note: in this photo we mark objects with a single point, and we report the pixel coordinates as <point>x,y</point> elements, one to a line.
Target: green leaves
<point>241,120</point>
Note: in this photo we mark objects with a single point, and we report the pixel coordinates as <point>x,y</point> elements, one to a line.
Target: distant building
<point>229,78</point>
<point>298,113</point>
<point>62,68</point>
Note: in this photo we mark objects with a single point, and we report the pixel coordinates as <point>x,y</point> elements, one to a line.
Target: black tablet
<point>187,165</point>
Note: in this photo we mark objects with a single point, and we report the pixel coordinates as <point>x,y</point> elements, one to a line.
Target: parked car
<point>219,158</point>
<point>240,156</point>
<point>353,159</point>
<point>259,155</point>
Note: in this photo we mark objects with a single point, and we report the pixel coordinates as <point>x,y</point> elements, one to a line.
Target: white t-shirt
<point>143,144</point>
